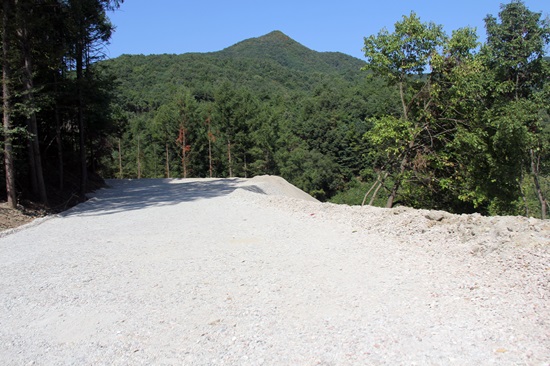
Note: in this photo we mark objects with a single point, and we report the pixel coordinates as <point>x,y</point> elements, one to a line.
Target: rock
<point>435,215</point>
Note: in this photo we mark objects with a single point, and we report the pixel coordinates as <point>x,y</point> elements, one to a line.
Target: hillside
<point>282,109</point>
<point>273,63</point>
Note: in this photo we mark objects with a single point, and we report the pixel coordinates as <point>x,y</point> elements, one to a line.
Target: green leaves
<point>404,52</point>
<point>390,135</point>
<point>469,128</point>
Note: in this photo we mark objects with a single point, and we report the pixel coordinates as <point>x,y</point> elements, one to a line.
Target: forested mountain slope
<point>268,64</point>
<point>266,105</point>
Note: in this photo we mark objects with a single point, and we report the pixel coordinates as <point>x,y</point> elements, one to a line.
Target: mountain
<point>273,106</point>
<point>273,62</point>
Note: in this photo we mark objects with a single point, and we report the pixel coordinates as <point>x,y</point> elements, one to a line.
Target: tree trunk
<point>32,167</point>
<point>245,166</point>
<point>167,162</point>
<point>370,190</point>
<point>380,184</point>
<point>404,161</point>
<point>403,104</point>
<point>229,158</point>
<point>210,157</point>
<point>81,122</point>
<point>376,186</point>
<point>6,118</point>
<point>36,159</point>
<point>210,137</point>
<point>399,177</point>
<point>138,160</point>
<point>59,143</point>
<point>538,190</point>
<point>371,202</point>
<point>184,151</point>
<point>120,174</point>
<point>393,194</point>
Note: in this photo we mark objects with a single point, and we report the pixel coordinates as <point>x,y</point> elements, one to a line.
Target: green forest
<point>427,120</point>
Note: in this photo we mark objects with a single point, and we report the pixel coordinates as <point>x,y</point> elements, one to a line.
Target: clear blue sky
<point>181,26</point>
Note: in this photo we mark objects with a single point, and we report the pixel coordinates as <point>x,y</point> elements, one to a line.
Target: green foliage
<point>470,130</point>
<point>270,103</point>
<point>56,94</point>
<point>404,52</point>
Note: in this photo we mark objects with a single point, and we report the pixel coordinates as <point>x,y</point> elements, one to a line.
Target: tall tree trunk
<point>81,121</point>
<point>120,175</point>
<point>32,166</point>
<point>404,161</point>
<point>167,161</point>
<point>399,177</point>
<point>59,143</point>
<point>245,166</point>
<point>210,158</point>
<point>138,159</point>
<point>35,156</point>
<point>229,158</point>
<point>403,103</point>
<point>210,136</point>
<point>6,117</point>
<point>393,194</point>
<point>184,151</point>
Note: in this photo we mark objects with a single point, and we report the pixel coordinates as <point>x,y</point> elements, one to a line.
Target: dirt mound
<point>276,186</point>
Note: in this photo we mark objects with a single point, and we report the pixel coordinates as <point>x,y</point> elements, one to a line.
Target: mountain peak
<point>275,36</point>
<point>279,47</point>
<point>265,43</point>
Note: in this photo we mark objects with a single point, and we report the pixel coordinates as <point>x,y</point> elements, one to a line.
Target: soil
<point>256,272</point>
<point>11,218</point>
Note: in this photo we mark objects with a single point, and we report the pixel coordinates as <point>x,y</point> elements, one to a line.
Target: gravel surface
<point>256,272</point>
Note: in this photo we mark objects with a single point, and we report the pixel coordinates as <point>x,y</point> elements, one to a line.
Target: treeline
<point>473,133</point>
<point>313,139</point>
<point>55,103</point>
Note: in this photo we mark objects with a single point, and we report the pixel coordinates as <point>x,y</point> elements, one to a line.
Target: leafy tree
<point>402,58</point>
<point>514,54</point>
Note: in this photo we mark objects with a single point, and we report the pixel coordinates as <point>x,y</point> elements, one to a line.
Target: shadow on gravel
<point>125,194</point>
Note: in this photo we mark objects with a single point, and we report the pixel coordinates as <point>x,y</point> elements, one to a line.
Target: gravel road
<point>255,272</point>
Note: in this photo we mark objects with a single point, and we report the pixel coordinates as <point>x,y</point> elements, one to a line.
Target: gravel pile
<point>253,272</point>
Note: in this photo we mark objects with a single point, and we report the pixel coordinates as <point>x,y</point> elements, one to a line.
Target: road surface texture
<point>256,272</point>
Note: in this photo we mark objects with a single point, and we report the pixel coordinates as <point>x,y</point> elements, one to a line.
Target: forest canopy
<point>429,120</point>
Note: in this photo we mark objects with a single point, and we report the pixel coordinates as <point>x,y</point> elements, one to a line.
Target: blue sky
<point>181,26</point>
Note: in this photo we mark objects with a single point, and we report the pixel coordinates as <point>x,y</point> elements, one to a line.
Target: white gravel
<point>255,272</point>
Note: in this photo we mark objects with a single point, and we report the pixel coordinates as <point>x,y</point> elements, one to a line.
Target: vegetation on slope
<point>438,121</point>
<point>267,105</point>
